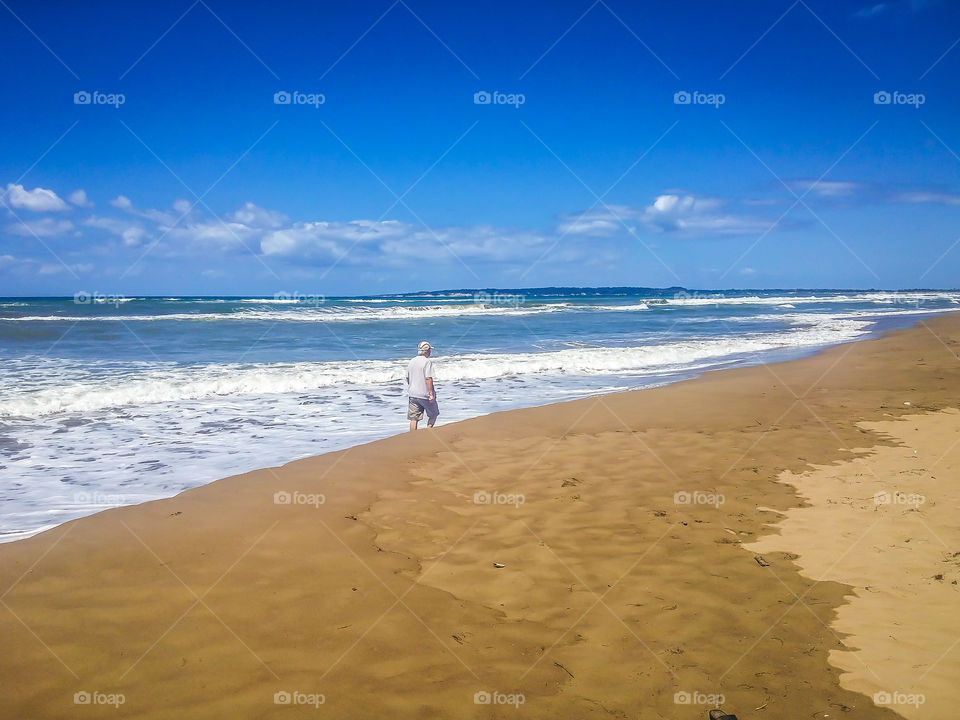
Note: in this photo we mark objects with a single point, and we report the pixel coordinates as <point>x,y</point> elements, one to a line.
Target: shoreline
<point>218,598</point>
<point>880,325</point>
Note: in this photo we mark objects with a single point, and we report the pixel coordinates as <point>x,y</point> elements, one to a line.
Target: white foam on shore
<point>172,383</point>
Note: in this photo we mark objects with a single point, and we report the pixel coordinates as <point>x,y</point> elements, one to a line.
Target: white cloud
<point>669,213</point>
<point>79,198</point>
<point>255,216</point>
<point>825,188</point>
<point>37,200</point>
<point>43,228</point>
<point>397,243</point>
<point>56,268</point>
<point>699,216</point>
<point>593,222</point>
<point>163,218</point>
<point>132,234</point>
<point>479,243</point>
<point>330,239</point>
<point>941,198</point>
<point>203,235</point>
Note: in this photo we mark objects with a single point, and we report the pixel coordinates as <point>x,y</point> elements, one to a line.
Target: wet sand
<point>661,550</point>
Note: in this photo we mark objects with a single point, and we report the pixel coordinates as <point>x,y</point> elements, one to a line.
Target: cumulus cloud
<point>80,199</point>
<point>203,235</point>
<point>42,228</point>
<point>668,213</point>
<point>674,212</point>
<point>397,243</point>
<point>183,231</point>
<point>164,218</point>
<point>37,200</point>
<point>132,234</point>
<point>331,239</point>
<point>254,216</point>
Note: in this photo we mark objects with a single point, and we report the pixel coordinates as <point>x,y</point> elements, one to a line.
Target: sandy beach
<point>781,540</point>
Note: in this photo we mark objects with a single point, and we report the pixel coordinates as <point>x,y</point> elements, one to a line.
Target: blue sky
<point>384,174</point>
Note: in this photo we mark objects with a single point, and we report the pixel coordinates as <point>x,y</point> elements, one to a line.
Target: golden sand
<point>886,524</point>
<point>588,559</point>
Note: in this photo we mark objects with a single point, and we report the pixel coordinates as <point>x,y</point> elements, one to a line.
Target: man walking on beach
<point>421,395</point>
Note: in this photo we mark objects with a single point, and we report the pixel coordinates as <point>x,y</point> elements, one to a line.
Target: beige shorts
<point>417,406</point>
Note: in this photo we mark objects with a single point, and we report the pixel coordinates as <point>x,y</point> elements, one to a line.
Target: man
<point>422,397</point>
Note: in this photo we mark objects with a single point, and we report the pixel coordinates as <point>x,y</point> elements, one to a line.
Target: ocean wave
<point>373,310</point>
<point>192,383</point>
<point>314,314</point>
<point>904,298</point>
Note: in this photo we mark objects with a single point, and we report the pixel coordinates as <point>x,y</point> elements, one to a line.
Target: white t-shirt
<point>419,369</point>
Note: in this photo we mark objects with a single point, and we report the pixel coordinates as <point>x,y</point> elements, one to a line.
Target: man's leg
<point>414,413</point>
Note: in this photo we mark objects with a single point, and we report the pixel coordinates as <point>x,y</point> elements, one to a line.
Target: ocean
<point>109,400</point>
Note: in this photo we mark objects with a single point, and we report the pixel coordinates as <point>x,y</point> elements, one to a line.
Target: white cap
<point>423,347</point>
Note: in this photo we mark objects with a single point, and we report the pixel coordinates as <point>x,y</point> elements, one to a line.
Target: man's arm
<point>433,395</point>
